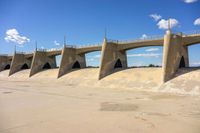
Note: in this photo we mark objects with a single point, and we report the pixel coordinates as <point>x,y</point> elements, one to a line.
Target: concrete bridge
<point>113,58</point>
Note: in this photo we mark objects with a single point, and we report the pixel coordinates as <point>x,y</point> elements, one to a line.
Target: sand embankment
<point>144,79</point>
<point>129,101</point>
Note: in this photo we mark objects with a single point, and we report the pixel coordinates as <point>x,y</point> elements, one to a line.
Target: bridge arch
<point>7,67</point>
<point>25,66</point>
<point>193,55</point>
<point>76,65</point>
<point>118,64</point>
<point>93,59</point>
<point>46,66</point>
<point>146,56</point>
<point>182,62</point>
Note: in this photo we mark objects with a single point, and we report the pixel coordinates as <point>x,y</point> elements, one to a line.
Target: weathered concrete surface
<point>174,51</point>
<point>18,61</point>
<point>4,62</point>
<point>191,39</point>
<point>40,59</point>
<point>69,57</point>
<point>109,58</point>
<point>88,49</point>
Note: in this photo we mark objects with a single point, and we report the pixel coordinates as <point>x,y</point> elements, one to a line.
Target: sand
<point>129,101</point>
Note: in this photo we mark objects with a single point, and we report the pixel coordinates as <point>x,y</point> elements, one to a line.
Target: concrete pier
<point>5,62</point>
<point>20,62</point>
<point>42,60</point>
<point>175,55</point>
<point>112,59</point>
<point>70,60</point>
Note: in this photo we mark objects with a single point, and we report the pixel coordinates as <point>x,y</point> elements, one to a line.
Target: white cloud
<point>56,43</point>
<point>12,35</point>
<point>190,1</point>
<point>144,36</point>
<point>97,56</point>
<point>197,21</point>
<point>195,64</point>
<point>145,55</point>
<point>42,47</point>
<point>152,49</point>
<point>156,17</point>
<point>163,24</point>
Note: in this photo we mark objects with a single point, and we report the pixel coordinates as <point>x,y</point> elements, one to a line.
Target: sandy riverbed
<point>129,101</point>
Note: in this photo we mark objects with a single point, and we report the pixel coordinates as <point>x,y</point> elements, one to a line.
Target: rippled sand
<point>129,101</point>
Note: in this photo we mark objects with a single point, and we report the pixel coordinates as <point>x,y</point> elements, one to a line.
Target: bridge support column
<point>175,55</point>
<point>4,63</point>
<point>70,60</point>
<point>111,59</point>
<point>41,61</point>
<point>18,62</point>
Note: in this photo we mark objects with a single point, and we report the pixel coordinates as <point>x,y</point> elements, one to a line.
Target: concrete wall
<point>69,57</point>
<point>40,58</point>
<point>173,51</point>
<point>110,55</point>
<point>4,61</point>
<point>18,61</point>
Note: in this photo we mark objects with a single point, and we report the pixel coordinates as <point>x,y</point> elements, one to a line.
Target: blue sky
<point>84,22</point>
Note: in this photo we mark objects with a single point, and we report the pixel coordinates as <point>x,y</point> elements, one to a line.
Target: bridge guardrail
<point>156,37</point>
<point>194,32</point>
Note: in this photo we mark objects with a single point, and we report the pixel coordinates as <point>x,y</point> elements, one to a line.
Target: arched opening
<point>76,65</point>
<point>7,67</point>
<point>46,66</point>
<point>182,62</point>
<point>144,57</point>
<point>58,60</point>
<point>194,56</point>
<point>93,59</point>
<point>25,66</point>
<point>118,64</point>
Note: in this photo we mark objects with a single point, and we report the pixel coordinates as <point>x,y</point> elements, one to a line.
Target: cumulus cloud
<point>163,24</point>
<point>144,36</point>
<point>56,43</point>
<point>152,49</point>
<point>156,17</point>
<point>156,55</point>
<point>190,1</point>
<point>197,21</point>
<point>12,35</point>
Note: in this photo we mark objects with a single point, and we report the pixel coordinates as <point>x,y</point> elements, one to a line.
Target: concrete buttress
<point>70,60</point>
<point>19,62</point>
<point>4,63</point>
<point>175,55</point>
<point>112,59</point>
<point>41,61</point>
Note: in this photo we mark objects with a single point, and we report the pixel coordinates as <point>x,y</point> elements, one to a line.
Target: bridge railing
<point>42,50</point>
<point>194,32</point>
<point>155,37</point>
<point>54,49</point>
<point>89,45</point>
